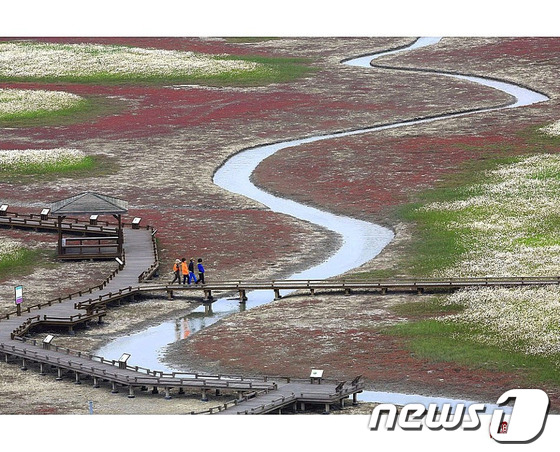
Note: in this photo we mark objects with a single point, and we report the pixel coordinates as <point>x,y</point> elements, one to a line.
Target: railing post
<point>131,392</point>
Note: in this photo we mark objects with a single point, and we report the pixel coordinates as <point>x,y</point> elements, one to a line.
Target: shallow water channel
<point>361,241</point>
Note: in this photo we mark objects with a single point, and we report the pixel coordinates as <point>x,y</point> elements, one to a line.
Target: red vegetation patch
<point>522,49</point>
<point>384,361</point>
<point>362,175</point>
<point>231,242</point>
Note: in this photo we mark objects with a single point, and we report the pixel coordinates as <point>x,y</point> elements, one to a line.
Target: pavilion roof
<point>89,203</point>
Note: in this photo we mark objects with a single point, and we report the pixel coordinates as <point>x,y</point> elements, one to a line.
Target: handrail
<point>152,269</point>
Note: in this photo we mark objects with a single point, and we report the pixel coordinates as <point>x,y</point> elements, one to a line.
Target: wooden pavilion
<point>106,243</point>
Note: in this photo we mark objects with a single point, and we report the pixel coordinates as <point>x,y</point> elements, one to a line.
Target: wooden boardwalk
<point>141,263</point>
<point>256,395</point>
<point>295,395</point>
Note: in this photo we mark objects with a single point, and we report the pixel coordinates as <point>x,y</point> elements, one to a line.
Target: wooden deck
<point>256,395</point>
<point>296,396</point>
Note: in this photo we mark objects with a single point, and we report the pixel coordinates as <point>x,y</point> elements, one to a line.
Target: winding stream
<point>361,241</point>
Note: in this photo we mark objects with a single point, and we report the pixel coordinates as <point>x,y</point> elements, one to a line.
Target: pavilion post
<point>120,235</point>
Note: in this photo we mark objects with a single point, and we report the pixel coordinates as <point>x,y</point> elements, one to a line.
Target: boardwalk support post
<point>355,398</point>
<point>242,296</point>
<point>59,374</point>
<point>95,382</point>
<point>277,295</point>
<point>327,408</point>
<point>347,291</point>
<point>77,382</point>
<point>167,394</point>
<point>170,294</point>
<point>114,389</point>
<point>23,366</point>
<point>131,392</point>
<point>155,390</point>
<point>42,369</point>
<point>420,290</point>
<point>204,397</point>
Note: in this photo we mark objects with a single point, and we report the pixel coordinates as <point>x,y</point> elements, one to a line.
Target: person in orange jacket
<point>176,271</point>
<point>184,270</point>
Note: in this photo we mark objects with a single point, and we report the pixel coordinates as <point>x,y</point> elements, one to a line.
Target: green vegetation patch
<point>16,259</point>
<point>94,63</point>
<point>64,162</point>
<point>26,105</point>
<point>456,342</point>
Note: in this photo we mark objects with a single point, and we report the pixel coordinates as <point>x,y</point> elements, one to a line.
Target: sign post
<point>19,299</point>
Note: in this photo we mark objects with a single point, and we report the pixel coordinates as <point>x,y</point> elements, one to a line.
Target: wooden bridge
<point>139,265</point>
<point>134,275</point>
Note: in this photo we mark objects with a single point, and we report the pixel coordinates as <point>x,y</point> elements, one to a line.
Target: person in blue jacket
<point>200,271</point>
<point>191,273</point>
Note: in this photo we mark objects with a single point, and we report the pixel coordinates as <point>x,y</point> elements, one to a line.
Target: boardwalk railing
<point>14,219</point>
<point>149,273</point>
<point>129,375</point>
<point>67,297</point>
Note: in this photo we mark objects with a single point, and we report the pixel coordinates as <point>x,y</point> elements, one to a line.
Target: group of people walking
<point>185,271</point>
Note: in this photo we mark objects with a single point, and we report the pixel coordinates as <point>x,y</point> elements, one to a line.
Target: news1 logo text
<point>524,423</point>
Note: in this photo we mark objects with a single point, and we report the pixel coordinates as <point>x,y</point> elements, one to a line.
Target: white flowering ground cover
<point>525,319</point>
<point>30,160</point>
<point>509,223</point>
<point>25,103</point>
<point>510,227</point>
<point>35,60</point>
<point>552,129</point>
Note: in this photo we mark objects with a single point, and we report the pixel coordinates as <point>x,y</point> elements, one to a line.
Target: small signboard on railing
<point>122,360</point>
<point>45,214</point>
